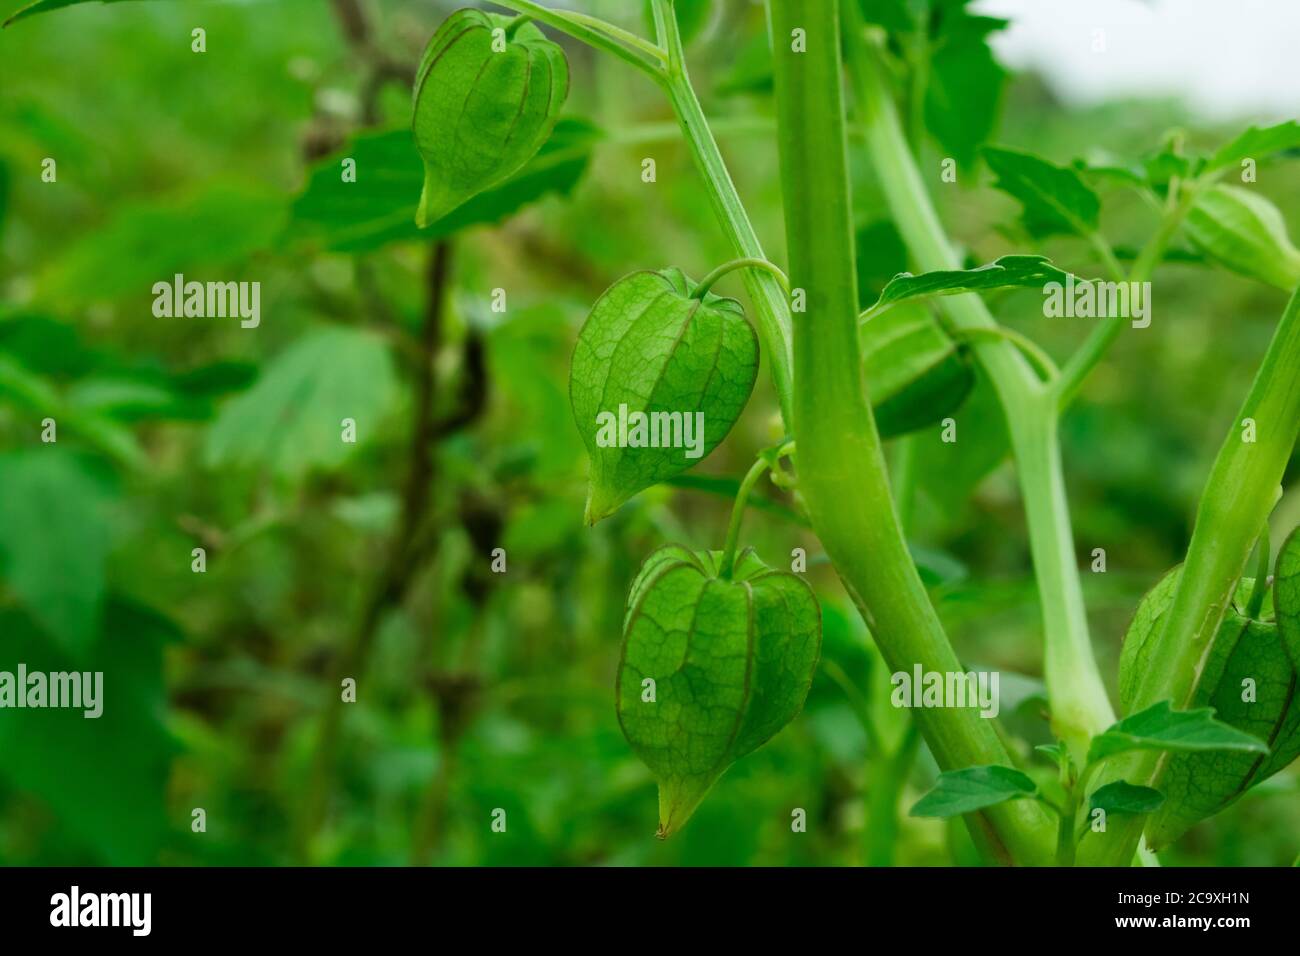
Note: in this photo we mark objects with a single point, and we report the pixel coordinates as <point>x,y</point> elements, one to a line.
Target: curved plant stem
<point>1240,493</point>
<point>666,66</point>
<point>1105,333</point>
<point>1079,703</point>
<point>596,33</point>
<point>742,498</point>
<point>747,263</point>
<point>841,468</point>
<point>516,23</point>
<point>770,299</point>
<point>1042,362</point>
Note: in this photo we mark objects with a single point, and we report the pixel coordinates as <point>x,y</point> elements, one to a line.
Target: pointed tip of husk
<point>599,505</point>
<point>678,801</point>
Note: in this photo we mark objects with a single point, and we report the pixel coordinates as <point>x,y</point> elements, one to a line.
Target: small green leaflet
<point>55,536</point>
<point>1054,198</point>
<point>916,375</point>
<point>35,393</point>
<point>1256,143</point>
<point>379,207</point>
<point>1168,163</point>
<point>1122,797</point>
<point>946,47</point>
<point>1006,272</point>
<point>1053,752</point>
<point>964,94</point>
<point>657,380</point>
<point>1243,231</point>
<point>1160,727</point>
<point>964,791</point>
<point>711,668</point>
<point>291,420</point>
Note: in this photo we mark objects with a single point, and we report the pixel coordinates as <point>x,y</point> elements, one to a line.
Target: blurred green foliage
<point>478,690</point>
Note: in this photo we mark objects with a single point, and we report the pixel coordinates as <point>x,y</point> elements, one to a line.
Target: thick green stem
<point>1079,703</point>
<point>1065,840</point>
<point>841,468</point>
<point>1238,497</point>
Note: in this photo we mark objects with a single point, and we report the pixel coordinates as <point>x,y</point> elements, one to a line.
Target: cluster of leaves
<point>1250,731</point>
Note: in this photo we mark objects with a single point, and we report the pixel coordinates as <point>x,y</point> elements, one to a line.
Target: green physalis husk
<point>731,660</point>
<point>1250,679</point>
<point>486,98</point>
<point>658,378</point>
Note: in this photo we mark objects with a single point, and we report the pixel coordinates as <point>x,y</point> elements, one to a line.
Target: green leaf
<point>1246,233</point>
<point>731,663</point>
<point>41,397</point>
<point>964,93</point>
<point>881,255</point>
<point>1168,163</point>
<point>916,375</point>
<point>103,779</point>
<point>1256,143</point>
<point>1053,752</point>
<point>148,242</point>
<point>44,6</point>
<point>54,542</point>
<point>974,788</point>
<point>379,208</point>
<point>481,112</point>
<point>1122,797</point>
<point>1160,727</point>
<point>1103,172</point>
<point>1054,198</point>
<point>652,364</point>
<point>1004,273</point>
<point>291,420</point>
<point>950,472</point>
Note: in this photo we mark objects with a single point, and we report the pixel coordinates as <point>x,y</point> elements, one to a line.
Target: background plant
<point>516,679</point>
